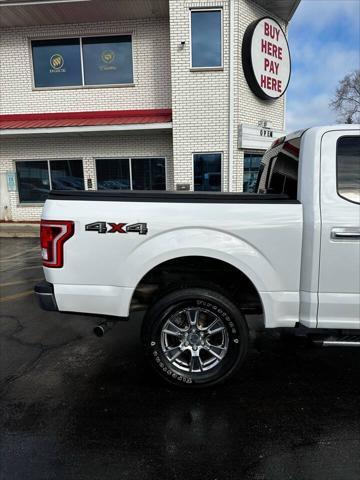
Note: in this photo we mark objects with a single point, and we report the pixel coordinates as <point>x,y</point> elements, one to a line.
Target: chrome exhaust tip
<point>102,328</point>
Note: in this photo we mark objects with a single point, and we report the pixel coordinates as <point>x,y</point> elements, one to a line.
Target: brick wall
<point>87,148</point>
<point>151,51</point>
<point>200,99</point>
<point>163,79</point>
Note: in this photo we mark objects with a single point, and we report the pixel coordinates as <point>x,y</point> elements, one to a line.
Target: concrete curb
<point>19,230</point>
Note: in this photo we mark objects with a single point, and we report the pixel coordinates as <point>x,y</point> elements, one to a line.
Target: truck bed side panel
<point>101,271</point>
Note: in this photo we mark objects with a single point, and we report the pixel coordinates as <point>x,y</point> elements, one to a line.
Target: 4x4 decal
<point>111,227</point>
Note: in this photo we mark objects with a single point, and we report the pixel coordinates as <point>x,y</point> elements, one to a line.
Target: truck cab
<point>321,168</point>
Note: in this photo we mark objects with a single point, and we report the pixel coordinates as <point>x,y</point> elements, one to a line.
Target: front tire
<point>195,337</point>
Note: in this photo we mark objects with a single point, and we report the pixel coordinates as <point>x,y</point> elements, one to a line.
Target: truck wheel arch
<point>198,271</point>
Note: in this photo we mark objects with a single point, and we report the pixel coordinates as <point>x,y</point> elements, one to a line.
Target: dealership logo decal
<point>266,59</point>
<point>57,63</point>
<point>107,58</point>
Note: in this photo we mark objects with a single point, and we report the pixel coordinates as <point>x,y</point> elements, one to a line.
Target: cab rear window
<point>279,169</point>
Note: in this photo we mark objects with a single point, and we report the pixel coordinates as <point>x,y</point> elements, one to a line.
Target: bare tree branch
<point>346,101</point>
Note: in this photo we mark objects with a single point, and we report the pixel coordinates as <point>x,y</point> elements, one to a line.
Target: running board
<point>341,341</point>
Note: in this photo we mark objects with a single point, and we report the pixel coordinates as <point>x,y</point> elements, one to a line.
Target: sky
<point>324,39</point>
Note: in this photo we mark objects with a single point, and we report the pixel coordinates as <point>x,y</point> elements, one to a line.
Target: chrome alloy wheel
<point>194,340</point>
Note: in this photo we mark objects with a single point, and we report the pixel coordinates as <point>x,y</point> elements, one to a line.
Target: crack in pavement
<point>44,349</point>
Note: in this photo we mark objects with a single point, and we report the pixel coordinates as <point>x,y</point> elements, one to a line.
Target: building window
<point>84,61</point>
<point>107,60</point>
<point>252,163</point>
<point>206,38</point>
<point>207,172</point>
<point>66,175</point>
<point>113,174</point>
<point>37,178</point>
<point>148,174</point>
<point>348,168</point>
<point>131,174</point>
<point>33,181</point>
<point>57,63</point>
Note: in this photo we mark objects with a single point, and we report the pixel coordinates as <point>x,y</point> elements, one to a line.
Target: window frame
<point>252,152</point>
<point>337,169</point>
<point>207,9</point>
<point>221,167</point>
<point>47,160</point>
<point>80,37</point>
<point>129,159</point>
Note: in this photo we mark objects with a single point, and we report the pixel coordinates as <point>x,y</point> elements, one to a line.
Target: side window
<point>348,168</point>
<point>281,173</point>
<point>206,39</point>
<point>207,172</point>
<point>283,176</point>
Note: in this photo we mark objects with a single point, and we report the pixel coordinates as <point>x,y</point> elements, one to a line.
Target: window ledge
<point>206,69</point>
<point>32,205</point>
<point>83,87</point>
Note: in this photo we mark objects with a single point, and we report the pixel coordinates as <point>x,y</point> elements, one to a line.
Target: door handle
<point>345,233</point>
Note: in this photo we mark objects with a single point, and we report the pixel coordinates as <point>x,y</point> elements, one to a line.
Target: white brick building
<point>129,94</point>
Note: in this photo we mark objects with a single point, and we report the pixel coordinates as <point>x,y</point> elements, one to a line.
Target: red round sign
<point>266,59</point>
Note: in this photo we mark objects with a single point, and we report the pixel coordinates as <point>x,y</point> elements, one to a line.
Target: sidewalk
<point>13,229</point>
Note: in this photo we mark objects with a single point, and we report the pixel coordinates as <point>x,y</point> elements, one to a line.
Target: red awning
<point>84,119</point>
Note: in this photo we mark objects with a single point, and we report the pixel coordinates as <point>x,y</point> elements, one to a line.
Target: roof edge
<point>86,114</point>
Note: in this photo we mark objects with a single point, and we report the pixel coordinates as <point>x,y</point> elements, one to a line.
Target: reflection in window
<point>113,174</point>
<point>283,175</point>
<point>279,169</point>
<point>33,181</point>
<point>67,175</point>
<point>251,170</point>
<point>207,172</point>
<point>148,173</point>
<point>206,39</point>
<point>348,168</point>
<point>107,60</point>
<point>56,63</point>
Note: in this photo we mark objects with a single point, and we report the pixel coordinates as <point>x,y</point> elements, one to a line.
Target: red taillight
<point>53,235</point>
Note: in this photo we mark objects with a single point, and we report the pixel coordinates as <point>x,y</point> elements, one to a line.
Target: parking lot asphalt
<point>77,407</point>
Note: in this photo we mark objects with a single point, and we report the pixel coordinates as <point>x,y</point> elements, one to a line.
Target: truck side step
<point>340,341</point>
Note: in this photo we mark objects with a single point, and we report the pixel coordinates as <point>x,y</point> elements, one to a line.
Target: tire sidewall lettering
<point>167,371</point>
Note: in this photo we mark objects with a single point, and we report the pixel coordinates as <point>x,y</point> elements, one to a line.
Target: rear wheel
<point>195,337</point>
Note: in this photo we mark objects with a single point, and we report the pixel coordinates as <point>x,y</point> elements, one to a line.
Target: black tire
<point>231,342</point>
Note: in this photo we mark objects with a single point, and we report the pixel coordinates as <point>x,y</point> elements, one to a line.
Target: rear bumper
<point>45,293</point>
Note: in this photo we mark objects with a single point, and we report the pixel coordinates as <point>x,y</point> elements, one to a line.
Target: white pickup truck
<point>205,267</point>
